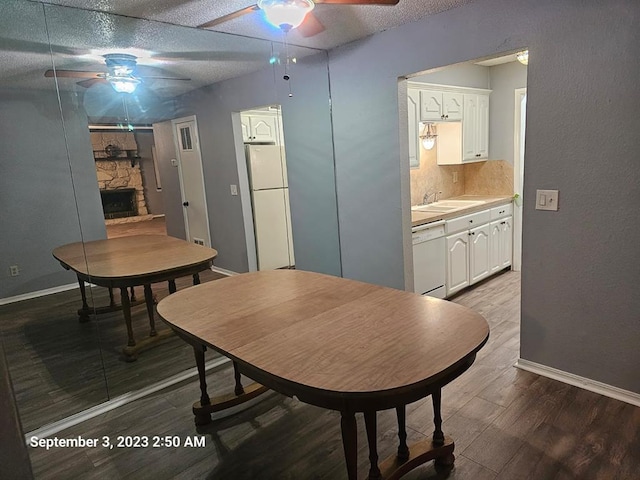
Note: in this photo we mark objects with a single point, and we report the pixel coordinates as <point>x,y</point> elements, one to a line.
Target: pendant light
<point>428,136</point>
<point>523,57</point>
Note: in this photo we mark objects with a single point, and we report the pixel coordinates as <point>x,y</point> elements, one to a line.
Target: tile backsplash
<point>493,177</point>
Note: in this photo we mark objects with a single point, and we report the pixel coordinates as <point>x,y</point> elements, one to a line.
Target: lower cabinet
<point>501,244</point>
<point>457,262</point>
<point>476,253</point>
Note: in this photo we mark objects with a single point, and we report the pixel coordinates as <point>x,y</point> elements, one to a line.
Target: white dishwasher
<point>429,259</point>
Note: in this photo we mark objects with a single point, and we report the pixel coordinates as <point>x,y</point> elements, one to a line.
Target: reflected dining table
<point>127,262</point>
<point>334,343</point>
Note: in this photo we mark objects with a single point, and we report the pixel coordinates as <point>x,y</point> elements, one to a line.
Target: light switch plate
<point>234,189</point>
<point>547,200</point>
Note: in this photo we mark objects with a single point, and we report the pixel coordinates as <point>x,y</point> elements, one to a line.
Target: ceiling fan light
<point>125,84</point>
<point>285,14</point>
<point>523,57</point>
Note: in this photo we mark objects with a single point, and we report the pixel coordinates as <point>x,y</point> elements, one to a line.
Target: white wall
<point>461,75</point>
<point>580,265</point>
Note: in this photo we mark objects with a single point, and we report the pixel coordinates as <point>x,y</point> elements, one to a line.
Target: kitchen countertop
<point>490,201</point>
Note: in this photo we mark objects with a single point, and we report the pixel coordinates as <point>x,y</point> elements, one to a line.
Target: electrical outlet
<point>234,189</point>
<point>455,177</point>
<point>14,271</point>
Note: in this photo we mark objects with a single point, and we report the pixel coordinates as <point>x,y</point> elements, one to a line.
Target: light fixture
<point>428,136</point>
<point>121,67</point>
<point>285,14</point>
<point>523,57</point>
<point>123,84</point>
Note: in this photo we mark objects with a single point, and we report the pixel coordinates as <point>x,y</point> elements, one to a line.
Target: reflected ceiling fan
<point>289,14</point>
<point>121,74</point>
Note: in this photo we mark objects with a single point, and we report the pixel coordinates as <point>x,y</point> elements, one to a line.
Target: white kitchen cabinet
<point>440,106</point>
<point>475,127</point>
<point>260,128</point>
<point>479,253</point>
<point>501,244</point>
<point>413,109</point>
<point>457,262</point>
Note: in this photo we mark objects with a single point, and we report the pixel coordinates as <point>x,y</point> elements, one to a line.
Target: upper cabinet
<point>438,106</point>
<point>461,118</point>
<point>413,106</point>
<point>261,128</point>
<point>475,127</point>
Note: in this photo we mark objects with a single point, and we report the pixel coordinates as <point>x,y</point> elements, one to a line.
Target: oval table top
<point>132,257</point>
<point>327,334</point>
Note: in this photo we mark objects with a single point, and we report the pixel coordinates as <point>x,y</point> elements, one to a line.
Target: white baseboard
<point>223,271</point>
<point>75,419</point>
<point>38,293</point>
<point>580,382</point>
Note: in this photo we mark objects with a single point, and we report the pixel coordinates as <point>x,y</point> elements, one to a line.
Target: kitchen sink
<point>444,206</point>
<point>434,208</point>
<point>457,203</point>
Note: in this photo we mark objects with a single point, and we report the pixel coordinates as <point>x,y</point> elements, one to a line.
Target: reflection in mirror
<point>54,360</point>
<point>262,173</point>
<point>173,131</point>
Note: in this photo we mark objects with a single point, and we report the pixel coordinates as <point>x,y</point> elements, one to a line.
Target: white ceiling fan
<point>289,14</point>
<point>121,74</point>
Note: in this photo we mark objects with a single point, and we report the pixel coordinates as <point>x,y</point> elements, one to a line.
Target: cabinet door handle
<point>470,221</point>
<point>502,223</point>
<point>473,233</point>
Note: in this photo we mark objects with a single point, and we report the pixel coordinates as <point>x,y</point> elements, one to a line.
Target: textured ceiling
<point>344,23</point>
<point>168,45</point>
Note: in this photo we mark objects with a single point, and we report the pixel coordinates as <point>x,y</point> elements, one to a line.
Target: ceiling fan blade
<point>359,2</point>
<point>153,77</point>
<point>90,82</point>
<point>73,74</point>
<point>229,16</point>
<point>310,26</point>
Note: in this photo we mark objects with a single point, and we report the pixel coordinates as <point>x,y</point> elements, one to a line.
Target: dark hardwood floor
<point>60,366</point>
<point>507,424</point>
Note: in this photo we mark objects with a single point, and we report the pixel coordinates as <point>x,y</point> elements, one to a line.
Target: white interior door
<point>194,200</point>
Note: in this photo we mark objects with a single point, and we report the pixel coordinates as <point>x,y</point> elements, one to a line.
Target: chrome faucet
<point>425,199</point>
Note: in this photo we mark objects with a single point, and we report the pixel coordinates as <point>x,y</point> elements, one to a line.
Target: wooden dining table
<point>127,262</point>
<point>335,343</point>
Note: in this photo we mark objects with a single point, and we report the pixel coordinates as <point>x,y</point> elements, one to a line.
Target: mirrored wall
<point>71,141</point>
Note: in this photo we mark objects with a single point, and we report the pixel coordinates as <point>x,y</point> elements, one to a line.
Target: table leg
<point>438,436</point>
<point>83,313</point>
<point>126,309</point>
<point>403,449</point>
<point>196,279</point>
<point>148,297</point>
<point>112,301</point>
<point>350,443</point>
<point>172,286</point>
<point>133,295</point>
<point>202,417</point>
<point>370,422</point>
<point>238,390</point>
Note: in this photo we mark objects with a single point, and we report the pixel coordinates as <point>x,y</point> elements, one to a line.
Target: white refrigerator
<point>267,169</point>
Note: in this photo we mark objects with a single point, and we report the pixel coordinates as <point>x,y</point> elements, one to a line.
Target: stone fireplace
<point>119,177</point>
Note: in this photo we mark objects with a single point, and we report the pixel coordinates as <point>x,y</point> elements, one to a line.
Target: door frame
<point>176,142</point>
<point>518,171</point>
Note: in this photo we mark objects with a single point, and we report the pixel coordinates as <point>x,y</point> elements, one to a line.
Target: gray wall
<point>44,189</point>
<point>505,79</point>
<point>463,75</point>
<point>309,149</point>
<point>152,195</point>
<point>580,264</point>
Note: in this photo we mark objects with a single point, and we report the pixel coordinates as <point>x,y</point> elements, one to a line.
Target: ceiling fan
<point>121,74</point>
<point>289,14</point>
